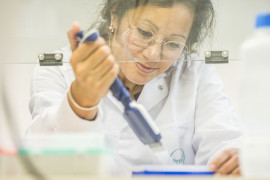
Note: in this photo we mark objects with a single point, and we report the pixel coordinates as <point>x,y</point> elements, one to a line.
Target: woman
<point>185,98</point>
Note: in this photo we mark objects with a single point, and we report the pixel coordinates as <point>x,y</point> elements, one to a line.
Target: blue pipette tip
<point>79,34</point>
<point>93,37</point>
<point>90,36</point>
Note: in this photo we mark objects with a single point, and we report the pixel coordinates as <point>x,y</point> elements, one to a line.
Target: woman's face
<point>170,26</point>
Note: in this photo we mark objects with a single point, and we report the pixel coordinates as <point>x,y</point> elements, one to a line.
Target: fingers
<point>229,166</point>
<point>236,171</point>
<point>226,162</point>
<point>96,74</point>
<point>97,57</point>
<point>95,65</point>
<point>71,35</point>
<point>95,69</point>
<point>109,78</point>
<point>100,86</point>
<point>106,65</point>
<point>85,50</point>
<point>92,89</point>
<point>223,157</point>
<point>218,161</point>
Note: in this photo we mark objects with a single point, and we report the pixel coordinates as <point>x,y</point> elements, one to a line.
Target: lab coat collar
<point>158,88</point>
<point>154,92</point>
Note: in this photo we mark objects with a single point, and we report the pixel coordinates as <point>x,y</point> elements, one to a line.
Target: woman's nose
<point>153,52</point>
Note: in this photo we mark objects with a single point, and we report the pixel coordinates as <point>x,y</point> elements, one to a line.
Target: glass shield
<point>146,38</point>
<point>45,32</point>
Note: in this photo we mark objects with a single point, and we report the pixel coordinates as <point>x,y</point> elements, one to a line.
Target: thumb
<point>71,35</point>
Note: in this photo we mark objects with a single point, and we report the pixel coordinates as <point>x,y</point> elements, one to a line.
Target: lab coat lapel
<point>154,92</point>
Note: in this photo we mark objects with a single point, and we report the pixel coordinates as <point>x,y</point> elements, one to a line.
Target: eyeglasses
<point>141,37</point>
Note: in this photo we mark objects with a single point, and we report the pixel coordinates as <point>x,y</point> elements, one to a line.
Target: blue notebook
<point>167,170</point>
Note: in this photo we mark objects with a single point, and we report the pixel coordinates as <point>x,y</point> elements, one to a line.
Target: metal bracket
<point>50,59</point>
<point>216,57</point>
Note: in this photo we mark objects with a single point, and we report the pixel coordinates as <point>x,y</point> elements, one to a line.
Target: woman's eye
<point>173,45</point>
<point>145,33</point>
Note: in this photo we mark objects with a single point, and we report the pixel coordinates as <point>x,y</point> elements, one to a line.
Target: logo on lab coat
<point>178,156</point>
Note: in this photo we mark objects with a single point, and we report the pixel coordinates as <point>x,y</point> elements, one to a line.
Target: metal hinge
<point>216,57</point>
<point>50,59</point>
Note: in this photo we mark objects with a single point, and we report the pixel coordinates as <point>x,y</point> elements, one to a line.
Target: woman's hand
<point>227,162</point>
<point>95,70</point>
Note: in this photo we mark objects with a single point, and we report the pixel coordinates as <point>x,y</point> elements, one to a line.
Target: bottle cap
<point>263,20</point>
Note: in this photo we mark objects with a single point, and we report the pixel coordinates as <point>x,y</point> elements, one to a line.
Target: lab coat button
<point>160,87</point>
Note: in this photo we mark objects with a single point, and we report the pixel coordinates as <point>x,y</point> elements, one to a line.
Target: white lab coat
<point>187,102</point>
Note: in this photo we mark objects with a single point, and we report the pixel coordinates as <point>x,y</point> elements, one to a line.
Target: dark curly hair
<point>202,24</point>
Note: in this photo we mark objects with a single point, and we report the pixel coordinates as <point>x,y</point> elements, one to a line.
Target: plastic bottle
<point>255,101</point>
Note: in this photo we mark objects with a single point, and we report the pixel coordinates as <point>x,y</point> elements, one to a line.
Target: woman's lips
<point>144,68</point>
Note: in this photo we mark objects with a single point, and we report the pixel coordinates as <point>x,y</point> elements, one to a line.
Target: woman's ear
<point>114,22</point>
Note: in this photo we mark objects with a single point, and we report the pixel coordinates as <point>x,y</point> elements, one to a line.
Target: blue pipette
<point>135,114</point>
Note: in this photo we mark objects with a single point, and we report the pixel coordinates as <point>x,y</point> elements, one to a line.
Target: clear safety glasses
<point>139,38</point>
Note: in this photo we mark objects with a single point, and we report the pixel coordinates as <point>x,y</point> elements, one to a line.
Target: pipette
<point>135,114</point>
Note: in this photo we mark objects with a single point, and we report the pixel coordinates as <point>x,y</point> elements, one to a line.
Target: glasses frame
<point>156,39</point>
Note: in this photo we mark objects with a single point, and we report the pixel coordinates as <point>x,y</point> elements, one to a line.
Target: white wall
<point>235,23</point>
<point>32,26</point>
<point>29,27</point>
